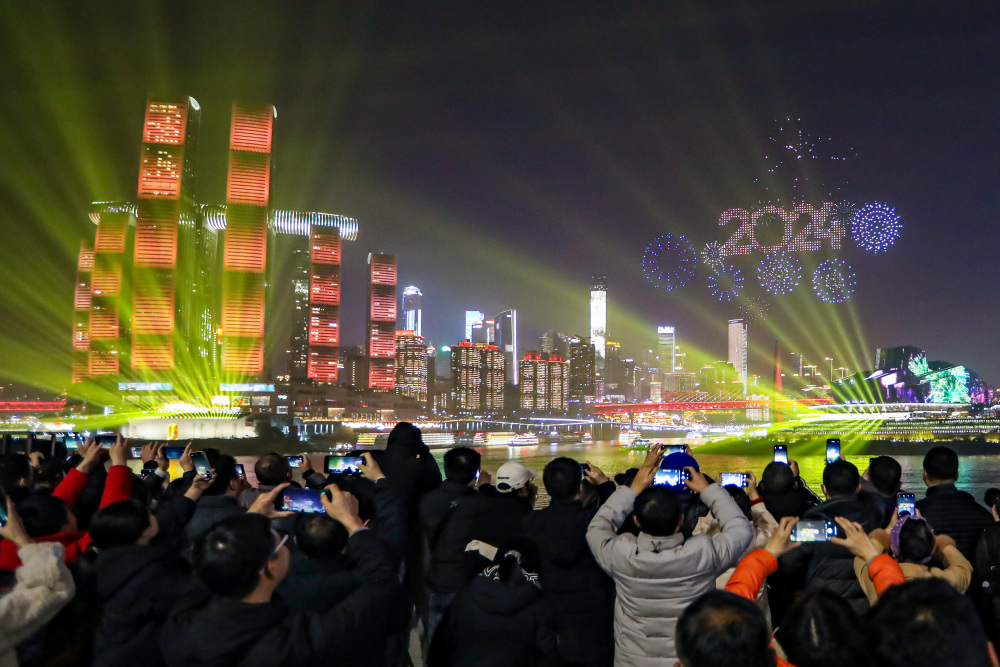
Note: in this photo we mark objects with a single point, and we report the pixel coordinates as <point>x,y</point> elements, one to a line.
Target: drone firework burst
<point>712,256</point>
<point>754,310</point>
<point>725,284</point>
<point>834,281</point>
<point>779,272</point>
<point>669,262</point>
<point>875,227</point>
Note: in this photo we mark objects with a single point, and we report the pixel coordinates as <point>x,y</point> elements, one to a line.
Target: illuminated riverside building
<point>544,382</point>
<point>411,365</point>
<point>473,318</point>
<point>381,322</point>
<point>177,296</point>
<point>599,317</point>
<point>412,313</point>
<point>477,378</point>
<point>582,371</point>
<point>738,349</point>
<point>505,325</point>
<point>666,348</point>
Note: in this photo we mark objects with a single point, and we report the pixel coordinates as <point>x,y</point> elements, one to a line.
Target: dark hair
<point>119,524</point>
<point>923,623</point>
<point>821,630</point>
<point>841,479</point>
<point>778,478</point>
<point>562,478</point>
<point>721,629</point>
<point>742,500</point>
<point>941,464</point>
<point>229,557</point>
<point>517,555</point>
<point>625,478</point>
<point>319,536</point>
<point>271,469</point>
<point>658,510</point>
<point>43,514</point>
<point>884,472</point>
<point>461,464</point>
<point>225,472</point>
<point>14,468</point>
<point>992,497</point>
<point>916,541</point>
<point>49,473</point>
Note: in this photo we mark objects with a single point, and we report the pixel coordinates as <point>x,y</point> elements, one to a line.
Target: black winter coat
<point>829,566</point>
<point>491,624</point>
<point>582,595</point>
<point>210,631</point>
<point>210,510</point>
<point>452,528</point>
<point>956,514</point>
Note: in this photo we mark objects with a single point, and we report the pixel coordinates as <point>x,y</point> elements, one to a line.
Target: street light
<point>830,359</point>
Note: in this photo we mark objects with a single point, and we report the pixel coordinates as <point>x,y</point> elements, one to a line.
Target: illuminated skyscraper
<point>412,320</point>
<point>599,317</point>
<point>381,322</point>
<point>553,341</point>
<point>738,349</point>
<point>666,349</point>
<point>477,377</point>
<point>544,382</point>
<point>485,332</point>
<point>411,366</point>
<point>582,371</point>
<point>298,337</point>
<point>506,340</point>
<point>473,318</point>
<point>324,304</point>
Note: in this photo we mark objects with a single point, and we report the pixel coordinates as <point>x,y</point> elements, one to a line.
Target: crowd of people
<point>100,565</point>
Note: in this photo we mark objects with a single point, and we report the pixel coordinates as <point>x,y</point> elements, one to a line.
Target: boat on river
<point>628,436</point>
<point>524,439</point>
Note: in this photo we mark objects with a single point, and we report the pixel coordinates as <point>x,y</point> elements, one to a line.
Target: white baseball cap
<point>512,475</point>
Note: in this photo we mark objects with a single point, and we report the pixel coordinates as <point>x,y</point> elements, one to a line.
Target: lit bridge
<point>32,406</point>
<point>742,404</point>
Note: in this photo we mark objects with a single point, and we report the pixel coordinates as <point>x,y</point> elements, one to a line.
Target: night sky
<point>507,151</point>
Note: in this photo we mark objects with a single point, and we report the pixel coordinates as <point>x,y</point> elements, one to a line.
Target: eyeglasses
<point>281,543</point>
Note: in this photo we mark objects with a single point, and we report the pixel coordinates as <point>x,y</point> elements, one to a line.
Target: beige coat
<point>957,570</point>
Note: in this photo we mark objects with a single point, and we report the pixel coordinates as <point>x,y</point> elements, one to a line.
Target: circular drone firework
<point>843,213</point>
<point>725,284</point>
<point>875,227</point>
<point>834,281</point>
<point>712,255</point>
<point>754,310</point>
<point>669,262</point>
<point>779,272</point>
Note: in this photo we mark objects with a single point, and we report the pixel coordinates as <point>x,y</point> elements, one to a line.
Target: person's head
<point>912,540</point>
<point>227,480</point>
<point>657,511</point>
<point>461,465</point>
<point>49,474</point>
<point>405,436</point>
<point>15,470</point>
<point>122,523</point>
<point>926,623</point>
<point>517,557</point>
<point>940,466</point>
<point>841,479</point>
<point>777,479</point>
<point>821,630</point>
<point>742,500</point>
<point>240,556</point>
<point>320,537</point>
<point>43,515</point>
<point>721,629</point>
<point>514,477</point>
<point>626,478</point>
<point>562,478</point>
<point>272,469</point>
<point>884,472</point>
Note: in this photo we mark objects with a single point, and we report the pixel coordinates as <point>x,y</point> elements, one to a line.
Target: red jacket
<point>118,486</point>
<point>757,565</point>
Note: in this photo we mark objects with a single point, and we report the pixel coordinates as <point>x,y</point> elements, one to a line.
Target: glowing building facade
<point>412,315</point>
<point>473,318</point>
<point>381,322</point>
<point>582,371</point>
<point>599,317</point>
<point>505,325</point>
<point>411,366</point>
<point>738,349</point>
<point>477,377</point>
<point>544,382</point>
<point>666,348</point>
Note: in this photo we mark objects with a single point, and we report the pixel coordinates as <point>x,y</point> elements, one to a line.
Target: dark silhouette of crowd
<point>393,562</point>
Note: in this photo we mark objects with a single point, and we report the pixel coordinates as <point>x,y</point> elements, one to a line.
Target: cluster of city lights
<point>779,272</point>
<point>834,281</point>
<point>725,285</point>
<point>669,262</point>
<point>875,227</point>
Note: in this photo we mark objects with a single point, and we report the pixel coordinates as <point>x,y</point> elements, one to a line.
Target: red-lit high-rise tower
<point>81,312</point>
<point>381,322</point>
<point>324,303</point>
<point>244,255</point>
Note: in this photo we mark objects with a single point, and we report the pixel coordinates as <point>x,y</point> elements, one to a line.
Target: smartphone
<point>344,465</point>
<point>137,452</point>
<point>301,500</point>
<point>739,479</point>
<point>72,440</point>
<point>295,461</point>
<point>241,471</point>
<point>813,530</point>
<point>173,452</point>
<point>832,450</point>
<point>781,453</point>
<point>201,464</point>
<point>906,503</point>
<point>670,477</point>
<point>584,467</point>
<point>673,449</point>
<point>3,507</point>
<point>146,472</point>
<point>105,440</point>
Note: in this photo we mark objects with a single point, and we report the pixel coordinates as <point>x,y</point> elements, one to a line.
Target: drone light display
<point>834,281</point>
<point>725,285</point>
<point>669,262</point>
<point>712,256</point>
<point>875,227</point>
<point>753,310</point>
<point>779,272</point>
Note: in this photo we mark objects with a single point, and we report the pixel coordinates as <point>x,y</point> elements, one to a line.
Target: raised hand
<point>264,505</point>
<point>780,542</point>
<point>343,507</point>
